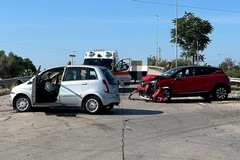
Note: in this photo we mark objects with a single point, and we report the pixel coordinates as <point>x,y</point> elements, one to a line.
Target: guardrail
<point>8,82</point>
<point>234,80</point>
<point>156,67</point>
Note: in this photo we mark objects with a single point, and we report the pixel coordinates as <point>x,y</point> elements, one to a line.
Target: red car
<point>202,81</point>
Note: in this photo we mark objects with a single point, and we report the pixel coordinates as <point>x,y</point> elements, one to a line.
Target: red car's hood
<point>148,78</point>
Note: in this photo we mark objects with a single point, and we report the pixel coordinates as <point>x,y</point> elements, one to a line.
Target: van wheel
<point>220,93</point>
<point>22,104</point>
<point>92,105</point>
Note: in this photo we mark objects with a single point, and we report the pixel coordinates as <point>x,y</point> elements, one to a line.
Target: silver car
<point>90,87</point>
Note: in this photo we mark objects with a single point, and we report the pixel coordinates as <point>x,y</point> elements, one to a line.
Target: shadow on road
<point>174,100</point>
<point>126,111</point>
<point>126,90</point>
<point>75,112</point>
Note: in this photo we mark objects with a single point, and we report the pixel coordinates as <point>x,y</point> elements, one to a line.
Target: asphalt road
<point>186,128</point>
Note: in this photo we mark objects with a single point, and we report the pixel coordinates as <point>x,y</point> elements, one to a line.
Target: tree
<point>192,36</point>
<point>151,60</point>
<point>230,68</point>
<point>3,62</point>
<point>14,66</point>
<point>28,66</point>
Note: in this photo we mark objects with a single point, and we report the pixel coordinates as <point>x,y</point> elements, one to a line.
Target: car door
<point>45,88</point>
<point>72,87</point>
<point>182,82</point>
<point>203,79</point>
<point>121,70</point>
<point>34,86</point>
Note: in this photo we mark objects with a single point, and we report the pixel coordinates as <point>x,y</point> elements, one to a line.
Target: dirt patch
<point>4,91</point>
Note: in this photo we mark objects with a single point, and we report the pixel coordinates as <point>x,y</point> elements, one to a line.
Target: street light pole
<point>176,35</point>
<point>157,58</point>
<point>73,56</point>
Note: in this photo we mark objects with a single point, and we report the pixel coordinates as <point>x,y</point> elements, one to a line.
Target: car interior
<point>48,85</point>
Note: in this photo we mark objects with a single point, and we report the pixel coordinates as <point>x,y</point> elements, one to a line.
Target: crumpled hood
<point>148,78</point>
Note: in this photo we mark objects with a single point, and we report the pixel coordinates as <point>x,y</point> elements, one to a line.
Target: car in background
<point>62,86</point>
<point>205,81</point>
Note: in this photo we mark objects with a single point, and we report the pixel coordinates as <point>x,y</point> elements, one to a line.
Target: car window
<point>202,71</point>
<point>70,74</point>
<point>186,72</point>
<point>189,72</point>
<point>80,73</point>
<point>53,74</point>
<point>171,72</point>
<point>92,74</point>
<point>109,76</point>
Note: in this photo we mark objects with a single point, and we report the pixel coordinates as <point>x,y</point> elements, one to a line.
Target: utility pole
<point>157,57</point>
<point>73,56</point>
<point>159,54</point>
<point>176,35</point>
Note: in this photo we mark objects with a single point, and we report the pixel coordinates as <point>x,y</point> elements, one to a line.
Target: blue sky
<point>48,31</point>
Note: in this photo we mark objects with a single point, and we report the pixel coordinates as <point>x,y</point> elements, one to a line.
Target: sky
<point>48,31</point>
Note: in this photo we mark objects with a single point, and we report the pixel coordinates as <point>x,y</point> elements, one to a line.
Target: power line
<point>185,6</point>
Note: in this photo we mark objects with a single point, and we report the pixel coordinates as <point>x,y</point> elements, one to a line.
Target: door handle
<point>84,83</point>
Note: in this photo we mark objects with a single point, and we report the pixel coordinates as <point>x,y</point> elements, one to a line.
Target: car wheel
<point>220,93</point>
<point>93,105</point>
<point>167,95</point>
<point>22,104</point>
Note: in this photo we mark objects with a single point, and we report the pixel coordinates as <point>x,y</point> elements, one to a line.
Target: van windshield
<point>99,62</point>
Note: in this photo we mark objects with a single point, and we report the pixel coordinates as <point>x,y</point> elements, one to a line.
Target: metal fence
<point>234,80</point>
<point>9,82</point>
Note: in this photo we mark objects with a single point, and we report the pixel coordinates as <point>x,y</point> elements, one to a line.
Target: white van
<point>110,59</point>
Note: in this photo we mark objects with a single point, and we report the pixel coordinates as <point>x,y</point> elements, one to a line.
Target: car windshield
<point>171,72</point>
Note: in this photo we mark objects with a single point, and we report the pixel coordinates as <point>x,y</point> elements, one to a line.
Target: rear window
<point>109,76</point>
<point>206,70</point>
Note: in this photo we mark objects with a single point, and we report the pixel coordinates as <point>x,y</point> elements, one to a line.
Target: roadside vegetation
<point>192,38</point>
<point>15,66</point>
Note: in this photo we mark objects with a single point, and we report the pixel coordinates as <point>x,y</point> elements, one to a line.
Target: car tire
<point>93,105</point>
<point>220,93</point>
<point>167,95</point>
<point>22,103</point>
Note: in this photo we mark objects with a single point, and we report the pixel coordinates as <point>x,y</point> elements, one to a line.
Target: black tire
<point>93,105</point>
<point>167,95</point>
<point>22,103</point>
<point>220,93</point>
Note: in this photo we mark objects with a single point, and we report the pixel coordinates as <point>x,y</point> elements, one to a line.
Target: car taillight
<point>106,89</point>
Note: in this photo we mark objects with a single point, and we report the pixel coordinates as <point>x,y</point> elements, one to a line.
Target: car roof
<point>77,65</point>
<point>198,67</point>
<point>90,66</point>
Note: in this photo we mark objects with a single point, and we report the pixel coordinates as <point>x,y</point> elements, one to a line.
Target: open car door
<point>34,86</point>
<point>123,65</point>
<point>121,71</point>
